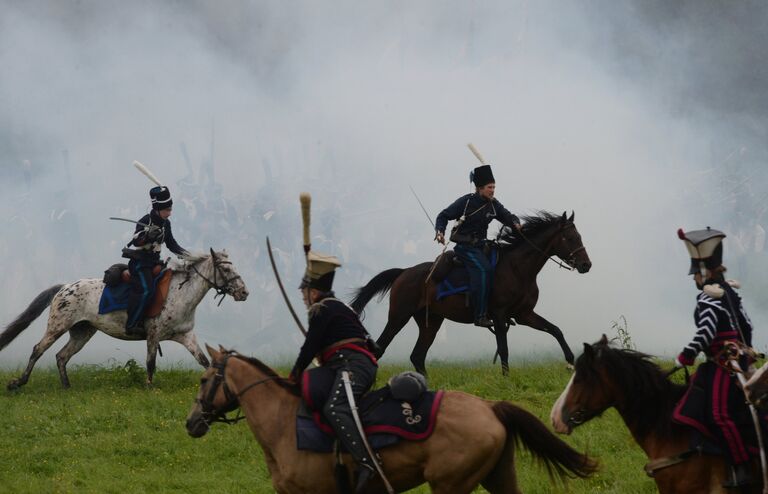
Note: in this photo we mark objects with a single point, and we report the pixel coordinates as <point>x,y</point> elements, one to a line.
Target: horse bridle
<point>221,289</point>
<point>570,263</point>
<point>233,400</point>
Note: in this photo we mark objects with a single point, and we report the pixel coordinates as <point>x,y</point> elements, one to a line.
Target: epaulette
<point>715,291</point>
<point>315,308</point>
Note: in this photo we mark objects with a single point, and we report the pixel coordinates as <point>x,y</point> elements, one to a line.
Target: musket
<point>282,289</point>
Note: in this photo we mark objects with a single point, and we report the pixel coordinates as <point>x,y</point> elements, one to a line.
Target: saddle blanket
<point>116,297</point>
<point>386,421</point>
<point>457,280</point>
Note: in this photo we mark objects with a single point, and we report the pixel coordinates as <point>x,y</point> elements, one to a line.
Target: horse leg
<point>153,343</point>
<point>79,335</point>
<point>501,328</point>
<point>535,321</point>
<point>189,340</point>
<point>428,329</point>
<point>54,331</point>
<point>390,331</point>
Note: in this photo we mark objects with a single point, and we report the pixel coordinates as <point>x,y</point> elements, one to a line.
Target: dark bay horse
<point>645,398</point>
<point>513,296</point>
<point>474,440</point>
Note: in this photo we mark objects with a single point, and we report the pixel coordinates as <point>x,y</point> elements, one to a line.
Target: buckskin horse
<point>75,309</point>
<point>645,398</point>
<point>513,296</point>
<point>473,441</point>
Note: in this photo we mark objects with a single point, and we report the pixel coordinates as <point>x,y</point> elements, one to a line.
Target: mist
<point>642,117</point>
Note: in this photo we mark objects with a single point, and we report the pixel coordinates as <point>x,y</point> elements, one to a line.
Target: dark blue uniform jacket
<point>479,213</point>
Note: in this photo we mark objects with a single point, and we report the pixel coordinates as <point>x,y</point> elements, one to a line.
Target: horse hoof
<point>570,367</point>
<point>13,385</point>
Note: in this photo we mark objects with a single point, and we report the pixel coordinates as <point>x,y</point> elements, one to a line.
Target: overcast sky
<point>641,116</point>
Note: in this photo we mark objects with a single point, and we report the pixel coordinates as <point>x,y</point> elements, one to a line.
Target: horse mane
<point>532,225</point>
<point>635,373</point>
<point>287,384</point>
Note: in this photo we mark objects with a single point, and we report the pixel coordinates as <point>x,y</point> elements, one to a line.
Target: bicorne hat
<point>704,246</point>
<point>320,271</point>
<point>161,198</point>
<point>482,175</point>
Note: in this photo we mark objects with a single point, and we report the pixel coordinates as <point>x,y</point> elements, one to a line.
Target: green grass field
<point>111,434</point>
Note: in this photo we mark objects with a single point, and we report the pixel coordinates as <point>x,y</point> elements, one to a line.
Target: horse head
<point>214,399</point>
<point>220,273</point>
<point>568,246</point>
<point>588,393</point>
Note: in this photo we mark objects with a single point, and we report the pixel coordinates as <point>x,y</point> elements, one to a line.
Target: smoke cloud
<point>641,117</point>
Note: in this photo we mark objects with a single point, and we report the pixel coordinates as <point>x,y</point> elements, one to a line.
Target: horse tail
<point>556,455</point>
<point>38,305</point>
<point>379,284</point>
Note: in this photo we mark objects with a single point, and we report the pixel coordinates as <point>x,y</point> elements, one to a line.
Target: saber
<point>143,169</point>
<point>429,218</point>
<point>476,153</point>
<point>359,424</point>
<point>282,289</point>
<point>134,222</point>
<point>758,430</point>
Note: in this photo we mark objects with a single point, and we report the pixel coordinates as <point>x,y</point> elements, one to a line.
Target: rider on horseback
<point>152,230</point>
<point>474,212</point>
<point>714,401</point>
<point>340,342</point>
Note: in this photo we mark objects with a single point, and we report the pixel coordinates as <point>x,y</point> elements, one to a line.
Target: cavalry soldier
<point>714,402</point>
<point>340,342</point>
<point>474,212</point>
<point>152,231</point>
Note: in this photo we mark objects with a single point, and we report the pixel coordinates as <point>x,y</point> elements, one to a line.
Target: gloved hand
<point>154,235</point>
<point>440,237</point>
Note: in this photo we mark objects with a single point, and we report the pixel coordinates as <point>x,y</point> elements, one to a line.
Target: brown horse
<point>513,296</point>
<point>645,398</point>
<point>473,442</point>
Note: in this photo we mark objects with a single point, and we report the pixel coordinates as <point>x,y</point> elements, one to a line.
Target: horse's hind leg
<point>53,333</point>
<point>189,340</point>
<point>427,332</point>
<point>394,325</point>
<point>78,337</point>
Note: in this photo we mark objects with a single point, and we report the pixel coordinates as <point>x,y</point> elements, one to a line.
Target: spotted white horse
<point>75,309</point>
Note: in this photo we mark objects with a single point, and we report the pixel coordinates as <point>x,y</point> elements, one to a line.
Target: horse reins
<point>218,380</point>
<point>220,289</point>
<point>571,255</point>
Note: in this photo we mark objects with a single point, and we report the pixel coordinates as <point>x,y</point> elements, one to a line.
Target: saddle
<point>117,285</point>
<point>445,263</point>
<point>386,420</point>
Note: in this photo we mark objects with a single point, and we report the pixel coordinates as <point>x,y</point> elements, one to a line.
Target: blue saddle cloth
<point>116,297</point>
<point>386,421</point>
<point>457,280</point>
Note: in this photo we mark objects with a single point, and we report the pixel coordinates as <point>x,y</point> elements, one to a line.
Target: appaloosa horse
<point>473,442</point>
<point>75,309</point>
<point>513,296</point>
<point>645,398</point>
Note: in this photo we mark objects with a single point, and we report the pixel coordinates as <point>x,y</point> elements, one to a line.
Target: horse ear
<point>211,351</point>
<point>213,255</point>
<point>573,215</point>
<point>604,340</point>
<point>588,350</point>
<point>564,217</point>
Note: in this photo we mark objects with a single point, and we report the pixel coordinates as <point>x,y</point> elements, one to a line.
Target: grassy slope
<point>110,434</point>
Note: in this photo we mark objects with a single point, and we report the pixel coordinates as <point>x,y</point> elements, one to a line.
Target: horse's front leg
<point>535,321</point>
<point>153,342</point>
<point>500,329</point>
<point>189,340</point>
